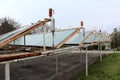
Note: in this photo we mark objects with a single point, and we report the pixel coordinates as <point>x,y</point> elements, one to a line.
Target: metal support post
<point>114,41</point>
<point>93,48</point>
<point>53,35</point>
<point>53,30</point>
<point>110,47</point>
<point>14,46</point>
<point>53,39</point>
<point>24,62</point>
<point>56,57</point>
<point>98,49</point>
<point>86,63</point>
<point>106,52</point>
<point>80,47</point>
<point>24,41</point>
<point>107,49</point>
<point>81,61</point>
<point>7,71</point>
<point>100,52</point>
<point>14,42</point>
<point>44,32</point>
<point>81,56</point>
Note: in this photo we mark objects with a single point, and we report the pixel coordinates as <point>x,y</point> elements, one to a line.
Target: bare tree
<point>7,25</point>
<point>41,29</point>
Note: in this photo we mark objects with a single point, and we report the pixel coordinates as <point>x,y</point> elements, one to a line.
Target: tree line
<point>115,38</point>
<point>7,24</point>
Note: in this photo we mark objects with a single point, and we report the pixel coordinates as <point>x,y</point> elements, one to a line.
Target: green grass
<point>109,69</point>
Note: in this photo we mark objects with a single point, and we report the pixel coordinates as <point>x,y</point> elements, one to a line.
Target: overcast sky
<point>96,14</point>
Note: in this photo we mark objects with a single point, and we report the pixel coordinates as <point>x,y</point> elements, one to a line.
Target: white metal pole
<point>107,49</point>
<point>100,52</point>
<point>53,30</point>
<point>24,49</point>
<point>114,41</point>
<point>110,47</point>
<point>24,41</point>
<point>7,71</point>
<point>14,42</point>
<point>57,66</point>
<point>80,47</point>
<point>14,46</point>
<point>86,63</point>
<point>80,50</point>
<point>56,56</point>
<point>106,52</point>
<point>44,31</point>
<point>98,47</point>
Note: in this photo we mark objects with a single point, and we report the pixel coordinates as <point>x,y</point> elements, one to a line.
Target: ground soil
<point>44,68</point>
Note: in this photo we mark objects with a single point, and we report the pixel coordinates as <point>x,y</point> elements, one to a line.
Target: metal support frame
<point>86,63</point>
<point>7,71</point>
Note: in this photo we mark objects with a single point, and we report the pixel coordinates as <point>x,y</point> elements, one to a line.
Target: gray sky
<point>96,14</point>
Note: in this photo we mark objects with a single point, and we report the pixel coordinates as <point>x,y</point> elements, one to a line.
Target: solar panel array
<point>69,36</point>
<point>37,39</point>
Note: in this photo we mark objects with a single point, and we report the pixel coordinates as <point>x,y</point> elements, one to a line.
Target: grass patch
<point>109,69</point>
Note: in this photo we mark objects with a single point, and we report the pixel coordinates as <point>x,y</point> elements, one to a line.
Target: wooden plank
<point>9,57</point>
<point>95,38</point>
<point>100,39</point>
<point>107,39</point>
<point>22,33</point>
<point>81,43</point>
<point>66,39</point>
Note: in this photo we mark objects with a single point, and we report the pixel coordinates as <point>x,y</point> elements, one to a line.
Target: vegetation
<point>115,38</point>
<point>95,47</point>
<point>7,25</point>
<point>109,69</point>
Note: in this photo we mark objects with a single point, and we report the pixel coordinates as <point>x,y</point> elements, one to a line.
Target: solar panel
<point>11,36</point>
<point>78,38</point>
<point>37,39</point>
